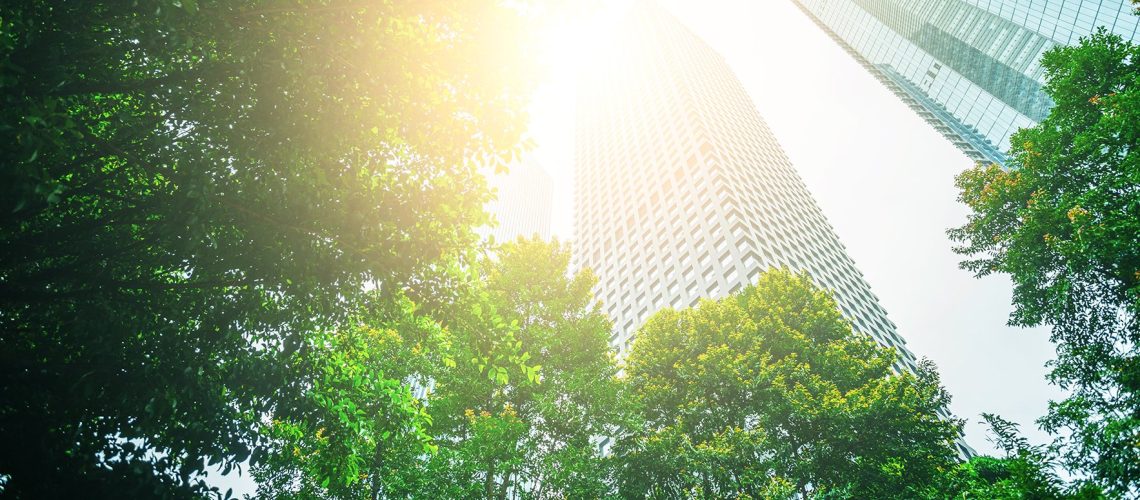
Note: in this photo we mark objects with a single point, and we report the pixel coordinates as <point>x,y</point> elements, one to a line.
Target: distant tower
<point>970,68</point>
<point>524,203</point>
<point>683,192</point>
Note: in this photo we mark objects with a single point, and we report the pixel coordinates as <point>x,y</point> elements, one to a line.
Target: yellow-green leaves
<point>536,386</point>
<point>770,390</point>
<point>219,185</point>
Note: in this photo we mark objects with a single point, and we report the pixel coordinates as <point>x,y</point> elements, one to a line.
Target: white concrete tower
<point>684,193</point>
<point>524,202</point>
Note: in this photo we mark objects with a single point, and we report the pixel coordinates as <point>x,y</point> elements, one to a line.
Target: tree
<point>194,191</point>
<point>358,420</point>
<point>358,431</point>
<point>769,393</point>
<point>1025,471</point>
<point>521,383</point>
<point>507,430</point>
<point>1064,223</point>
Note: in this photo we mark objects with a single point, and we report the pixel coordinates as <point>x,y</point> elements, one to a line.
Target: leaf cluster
<point>194,194</point>
<point>514,384</point>
<point>770,394</point>
<point>1064,223</point>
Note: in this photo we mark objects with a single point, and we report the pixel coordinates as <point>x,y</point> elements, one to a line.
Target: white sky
<point>883,177</point>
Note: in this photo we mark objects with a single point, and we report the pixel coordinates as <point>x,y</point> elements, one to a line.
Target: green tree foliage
<point>193,192</point>
<point>1024,472</point>
<point>1064,223</point>
<point>525,430</point>
<point>359,431</point>
<point>522,386</point>
<point>769,393</point>
<point>357,420</point>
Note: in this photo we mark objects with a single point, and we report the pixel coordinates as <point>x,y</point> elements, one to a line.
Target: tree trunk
<point>489,482</point>
<point>506,483</point>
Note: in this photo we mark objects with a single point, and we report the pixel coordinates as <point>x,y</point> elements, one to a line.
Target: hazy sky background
<point>882,176</point>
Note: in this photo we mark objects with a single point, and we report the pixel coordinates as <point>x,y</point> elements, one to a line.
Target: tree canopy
<point>516,384</point>
<point>239,235</point>
<point>769,393</point>
<point>1063,221</point>
<point>1024,471</point>
<point>194,192</point>
<point>526,431</point>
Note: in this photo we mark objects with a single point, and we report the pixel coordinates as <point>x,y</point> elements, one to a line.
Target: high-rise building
<point>524,202</point>
<point>684,193</point>
<point>970,68</point>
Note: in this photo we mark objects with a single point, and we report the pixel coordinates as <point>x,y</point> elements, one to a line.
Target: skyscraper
<point>524,202</point>
<point>970,68</point>
<point>683,192</point>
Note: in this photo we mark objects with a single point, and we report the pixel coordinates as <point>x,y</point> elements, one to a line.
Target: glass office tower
<point>971,68</point>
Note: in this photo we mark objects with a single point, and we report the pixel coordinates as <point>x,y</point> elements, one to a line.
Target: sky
<point>881,175</point>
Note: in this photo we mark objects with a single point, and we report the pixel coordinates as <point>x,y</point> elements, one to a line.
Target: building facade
<point>683,193</point>
<point>524,202</point>
<point>970,68</point>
